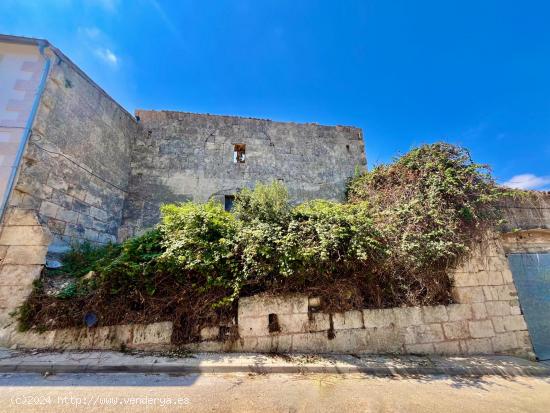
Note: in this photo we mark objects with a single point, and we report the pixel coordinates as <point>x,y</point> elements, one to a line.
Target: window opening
<point>239,153</point>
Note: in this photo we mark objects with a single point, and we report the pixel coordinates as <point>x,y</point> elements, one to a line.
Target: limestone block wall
<point>531,211</point>
<point>155,336</point>
<point>71,181</point>
<point>76,166</point>
<point>486,318</point>
<point>186,156</point>
<point>23,246</point>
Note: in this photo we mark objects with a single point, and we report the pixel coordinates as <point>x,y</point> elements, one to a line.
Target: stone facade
<point>530,211</point>
<point>90,172</point>
<point>75,170</point>
<point>23,246</point>
<point>86,160</point>
<point>71,181</point>
<point>186,156</point>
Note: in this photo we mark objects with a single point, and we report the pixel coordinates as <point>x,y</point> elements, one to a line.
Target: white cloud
<point>90,32</point>
<point>107,56</point>
<point>527,181</point>
<point>99,44</point>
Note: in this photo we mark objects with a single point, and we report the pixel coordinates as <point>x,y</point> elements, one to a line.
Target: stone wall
<point>76,167</point>
<point>185,156</point>
<point>486,318</point>
<point>88,167</point>
<point>71,182</point>
<point>23,246</point>
<point>155,336</point>
<point>529,211</point>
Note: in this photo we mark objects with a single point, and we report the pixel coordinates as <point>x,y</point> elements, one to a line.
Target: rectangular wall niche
<point>239,151</point>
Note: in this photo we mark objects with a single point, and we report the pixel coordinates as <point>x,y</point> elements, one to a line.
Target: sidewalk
<point>113,362</point>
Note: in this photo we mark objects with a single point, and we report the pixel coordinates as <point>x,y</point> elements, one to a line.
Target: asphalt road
<point>271,393</point>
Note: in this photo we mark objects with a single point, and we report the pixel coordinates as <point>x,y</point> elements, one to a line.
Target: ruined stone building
<point>179,156</point>
<point>75,166</point>
<point>89,170</point>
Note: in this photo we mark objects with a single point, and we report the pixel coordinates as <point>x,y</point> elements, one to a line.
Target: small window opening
<point>239,151</point>
<point>273,323</point>
<point>228,204</point>
<point>347,148</point>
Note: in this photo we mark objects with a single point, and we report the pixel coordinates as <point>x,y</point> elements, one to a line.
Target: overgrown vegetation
<point>429,204</point>
<point>390,244</point>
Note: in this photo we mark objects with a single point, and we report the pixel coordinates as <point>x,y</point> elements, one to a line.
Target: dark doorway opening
<point>228,202</point>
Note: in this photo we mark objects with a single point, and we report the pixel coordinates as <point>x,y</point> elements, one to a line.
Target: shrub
<point>404,224</point>
<point>429,204</point>
<point>323,235</point>
<point>264,203</point>
<point>136,266</point>
<point>86,257</point>
<point>199,240</point>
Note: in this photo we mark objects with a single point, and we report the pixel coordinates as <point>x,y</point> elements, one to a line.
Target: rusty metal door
<point>531,274</point>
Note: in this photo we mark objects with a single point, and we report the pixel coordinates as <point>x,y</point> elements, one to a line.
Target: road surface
<point>242,392</point>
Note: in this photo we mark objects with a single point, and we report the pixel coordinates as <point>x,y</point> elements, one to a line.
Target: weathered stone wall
<point>530,211</point>
<point>185,156</point>
<point>486,318</point>
<point>23,246</point>
<point>71,182</point>
<point>76,167</point>
<point>527,241</point>
<point>155,336</point>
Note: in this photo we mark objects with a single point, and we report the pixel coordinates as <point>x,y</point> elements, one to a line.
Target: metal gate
<point>531,274</point>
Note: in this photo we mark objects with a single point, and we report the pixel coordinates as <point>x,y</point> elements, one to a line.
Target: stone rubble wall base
<point>23,246</point>
<point>155,336</point>
<point>486,318</point>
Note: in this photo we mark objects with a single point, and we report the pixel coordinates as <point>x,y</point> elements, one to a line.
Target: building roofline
<point>6,38</point>
<point>38,42</point>
<point>138,111</point>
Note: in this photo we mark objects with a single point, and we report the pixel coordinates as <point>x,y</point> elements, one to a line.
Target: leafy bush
<point>135,267</point>
<point>200,238</point>
<point>404,224</point>
<point>265,203</point>
<point>429,204</point>
<point>323,236</point>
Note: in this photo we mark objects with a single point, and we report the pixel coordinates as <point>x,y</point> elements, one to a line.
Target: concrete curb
<point>373,371</point>
<point>188,368</point>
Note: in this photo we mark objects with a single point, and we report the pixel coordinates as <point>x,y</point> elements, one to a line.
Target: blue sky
<point>475,73</point>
